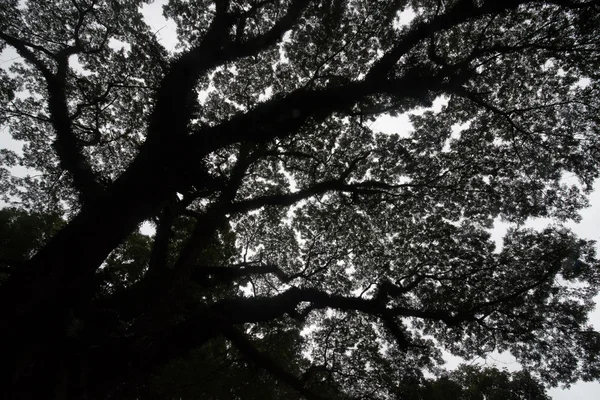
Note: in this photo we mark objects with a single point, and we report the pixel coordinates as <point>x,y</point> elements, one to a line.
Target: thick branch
<point>364,187</point>
<point>273,35</point>
<point>158,256</point>
<point>461,12</point>
<point>23,48</point>
<point>283,116</point>
<point>233,272</point>
<point>286,199</point>
<point>259,309</point>
<point>172,112</point>
<point>66,145</point>
<point>213,218</point>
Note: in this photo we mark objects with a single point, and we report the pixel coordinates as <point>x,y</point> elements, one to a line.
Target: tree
<point>473,383</point>
<point>251,149</point>
<point>22,234</point>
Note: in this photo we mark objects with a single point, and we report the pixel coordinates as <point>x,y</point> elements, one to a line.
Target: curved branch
<point>273,35</point>
<point>172,112</point>
<point>23,48</point>
<point>363,187</point>
<point>259,309</point>
<point>286,199</point>
<point>67,145</point>
<point>283,115</point>
<point>462,11</point>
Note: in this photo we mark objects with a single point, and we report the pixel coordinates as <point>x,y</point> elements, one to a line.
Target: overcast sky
<point>587,228</point>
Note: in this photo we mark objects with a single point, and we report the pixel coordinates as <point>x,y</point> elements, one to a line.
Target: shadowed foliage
<point>298,249</point>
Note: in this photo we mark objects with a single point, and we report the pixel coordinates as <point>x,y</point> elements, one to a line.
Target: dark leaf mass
<point>298,251</point>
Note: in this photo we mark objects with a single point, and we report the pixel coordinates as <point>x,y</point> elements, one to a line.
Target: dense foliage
<point>298,251</point>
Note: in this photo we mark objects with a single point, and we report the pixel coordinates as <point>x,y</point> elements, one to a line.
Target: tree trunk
<point>41,299</point>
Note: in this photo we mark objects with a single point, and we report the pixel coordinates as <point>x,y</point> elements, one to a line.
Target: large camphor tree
<point>298,251</point>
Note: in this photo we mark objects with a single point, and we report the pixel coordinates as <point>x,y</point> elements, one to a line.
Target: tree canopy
<point>298,251</point>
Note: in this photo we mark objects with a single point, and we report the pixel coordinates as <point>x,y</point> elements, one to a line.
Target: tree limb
<point>215,49</point>
<point>233,272</point>
<point>461,11</point>
<point>67,146</point>
<point>158,255</point>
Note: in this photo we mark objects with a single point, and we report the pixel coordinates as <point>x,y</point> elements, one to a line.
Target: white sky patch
<point>580,391</point>
<point>237,106</point>
<point>116,44</point>
<point>439,103</point>
<point>403,179</point>
<point>203,94</point>
<point>401,124</point>
<point>292,184</point>
<point>456,131</point>
<point>498,232</point>
<point>165,30</point>
<point>287,37</point>
<point>289,218</point>
<point>390,125</point>
<point>583,83</point>
<point>308,329</point>
<point>147,228</point>
<point>503,360</point>
<point>404,18</point>
<point>77,66</point>
<point>8,57</point>
<point>366,292</point>
<point>458,128</point>
<point>246,290</point>
<point>437,106</point>
<point>548,64</point>
<point>266,95</point>
<point>350,270</point>
<point>9,143</point>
